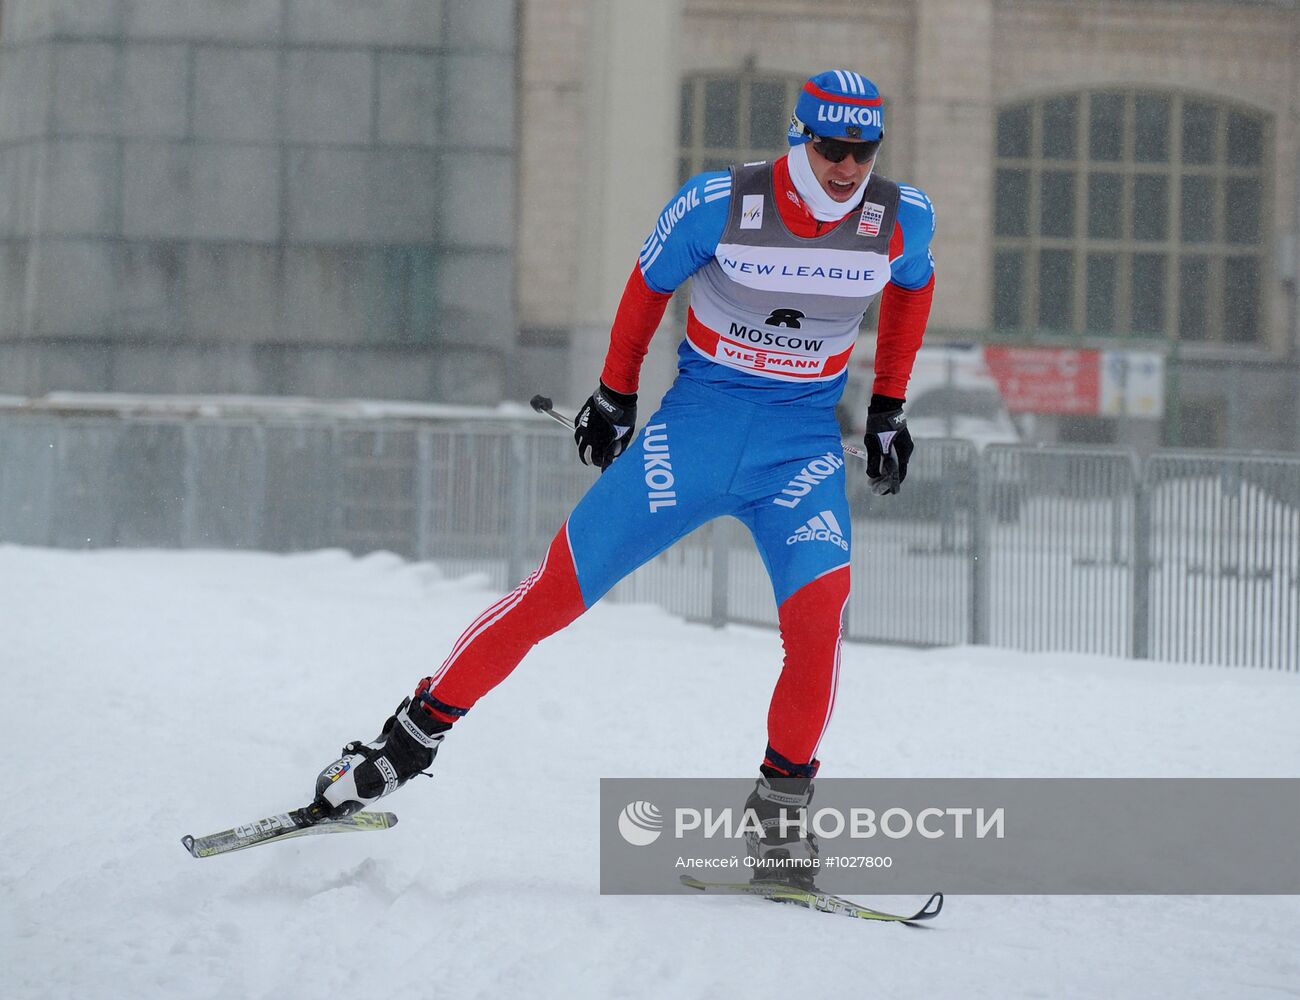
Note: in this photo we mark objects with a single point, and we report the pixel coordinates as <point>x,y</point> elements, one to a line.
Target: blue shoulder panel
<point>916,219</point>
<point>688,231</point>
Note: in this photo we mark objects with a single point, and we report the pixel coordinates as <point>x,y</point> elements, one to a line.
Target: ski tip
<point>927,912</point>
<point>188,841</point>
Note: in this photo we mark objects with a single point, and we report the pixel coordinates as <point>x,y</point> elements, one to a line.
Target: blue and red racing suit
<point>747,429</point>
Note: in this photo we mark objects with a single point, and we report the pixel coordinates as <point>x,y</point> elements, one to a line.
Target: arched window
<point>733,118</point>
<point>1131,213</point>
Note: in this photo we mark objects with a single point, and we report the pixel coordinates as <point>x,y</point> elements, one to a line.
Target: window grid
<point>1178,253</point>
<point>697,154</point>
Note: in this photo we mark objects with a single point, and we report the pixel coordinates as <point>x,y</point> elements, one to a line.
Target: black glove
<point>604,425</point>
<point>889,444</point>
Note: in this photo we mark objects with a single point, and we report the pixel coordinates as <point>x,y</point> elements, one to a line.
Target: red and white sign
<point>1054,380</point>
<point>1046,379</point>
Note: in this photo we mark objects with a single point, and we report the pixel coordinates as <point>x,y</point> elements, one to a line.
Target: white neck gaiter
<point>823,207</point>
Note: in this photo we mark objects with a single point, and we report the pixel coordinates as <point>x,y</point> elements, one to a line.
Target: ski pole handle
<point>543,404</point>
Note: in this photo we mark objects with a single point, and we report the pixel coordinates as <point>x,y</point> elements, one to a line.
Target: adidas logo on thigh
<point>821,528</point>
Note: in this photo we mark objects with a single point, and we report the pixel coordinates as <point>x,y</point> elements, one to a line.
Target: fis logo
<point>822,528</point>
<point>751,212</point>
<point>658,468</point>
<point>809,476</point>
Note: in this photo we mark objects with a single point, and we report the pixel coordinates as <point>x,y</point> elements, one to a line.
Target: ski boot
<point>366,772</point>
<point>788,858</point>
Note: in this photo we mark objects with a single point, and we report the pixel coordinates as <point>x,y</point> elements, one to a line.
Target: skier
<point>786,257</point>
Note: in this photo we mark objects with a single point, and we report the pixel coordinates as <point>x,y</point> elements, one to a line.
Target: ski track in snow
<point>151,694</point>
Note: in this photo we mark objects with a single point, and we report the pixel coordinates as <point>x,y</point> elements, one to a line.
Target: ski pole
<point>543,404</point>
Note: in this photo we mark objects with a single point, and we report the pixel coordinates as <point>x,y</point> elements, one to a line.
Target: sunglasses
<point>835,150</point>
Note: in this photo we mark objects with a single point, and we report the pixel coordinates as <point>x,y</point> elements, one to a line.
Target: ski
<point>816,900</point>
<point>297,823</point>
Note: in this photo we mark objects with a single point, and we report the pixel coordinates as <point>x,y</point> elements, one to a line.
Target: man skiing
<point>786,257</point>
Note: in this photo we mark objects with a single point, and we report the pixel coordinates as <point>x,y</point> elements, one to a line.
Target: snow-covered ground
<point>150,694</point>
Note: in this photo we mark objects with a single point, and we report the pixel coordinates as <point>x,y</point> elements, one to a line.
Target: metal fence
<point>1180,556</point>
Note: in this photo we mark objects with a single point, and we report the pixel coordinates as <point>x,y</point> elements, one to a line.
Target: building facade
<point>1114,175</point>
<point>442,199</point>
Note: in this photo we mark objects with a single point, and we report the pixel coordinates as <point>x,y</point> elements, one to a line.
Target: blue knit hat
<point>837,104</point>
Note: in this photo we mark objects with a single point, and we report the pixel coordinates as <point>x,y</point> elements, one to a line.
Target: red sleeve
<point>903,315</point>
<point>638,316</point>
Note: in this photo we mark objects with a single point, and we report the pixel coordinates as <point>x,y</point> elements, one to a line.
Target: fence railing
<point>1178,556</point>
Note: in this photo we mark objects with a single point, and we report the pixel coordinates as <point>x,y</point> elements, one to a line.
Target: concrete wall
<point>269,196</point>
<point>326,196</point>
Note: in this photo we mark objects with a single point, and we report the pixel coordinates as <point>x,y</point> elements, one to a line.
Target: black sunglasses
<point>835,150</point>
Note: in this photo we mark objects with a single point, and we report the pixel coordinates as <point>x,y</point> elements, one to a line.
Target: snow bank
<point>153,694</point>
